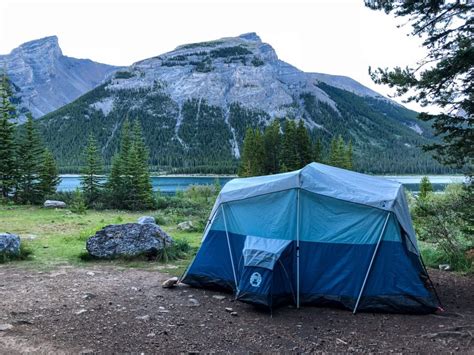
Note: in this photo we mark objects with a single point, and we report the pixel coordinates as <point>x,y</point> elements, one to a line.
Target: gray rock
<point>170,282</point>
<point>54,204</point>
<point>5,326</point>
<point>146,219</point>
<point>130,239</point>
<point>444,267</point>
<point>9,244</point>
<point>186,226</point>
<point>219,297</point>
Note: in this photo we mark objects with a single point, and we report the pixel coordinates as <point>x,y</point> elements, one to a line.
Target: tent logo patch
<point>255,279</point>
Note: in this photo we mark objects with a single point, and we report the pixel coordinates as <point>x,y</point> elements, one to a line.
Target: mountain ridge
<point>196,101</point>
<point>44,79</point>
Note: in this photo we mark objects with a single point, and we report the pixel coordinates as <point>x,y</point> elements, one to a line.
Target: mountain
<point>44,79</point>
<point>195,103</point>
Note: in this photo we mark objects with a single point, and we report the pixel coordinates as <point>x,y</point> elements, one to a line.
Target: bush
<point>78,203</point>
<point>445,221</point>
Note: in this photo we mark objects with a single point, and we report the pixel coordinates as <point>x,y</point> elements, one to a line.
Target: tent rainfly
<point>316,236</point>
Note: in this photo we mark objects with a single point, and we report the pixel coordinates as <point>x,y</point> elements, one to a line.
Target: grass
<point>433,257</point>
<point>54,237</point>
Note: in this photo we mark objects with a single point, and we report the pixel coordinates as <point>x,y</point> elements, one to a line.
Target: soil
<point>107,309</point>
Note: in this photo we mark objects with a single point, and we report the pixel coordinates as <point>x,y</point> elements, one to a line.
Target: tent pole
<point>371,262</point>
<point>230,250</point>
<point>298,249</point>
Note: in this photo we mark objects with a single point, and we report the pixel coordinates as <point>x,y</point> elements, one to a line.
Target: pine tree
<point>141,187</point>
<point>348,162</point>
<point>303,144</point>
<point>289,151</point>
<point>118,185</point>
<point>318,151</point>
<point>48,177</point>
<point>8,163</point>
<point>30,163</point>
<point>253,154</point>
<point>129,183</point>
<point>272,143</point>
<point>90,179</point>
<point>337,154</point>
<point>425,187</point>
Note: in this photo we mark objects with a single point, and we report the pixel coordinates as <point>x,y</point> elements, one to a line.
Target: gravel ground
<point>107,309</point>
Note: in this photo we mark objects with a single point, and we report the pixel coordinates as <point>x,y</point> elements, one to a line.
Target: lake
<point>171,184</point>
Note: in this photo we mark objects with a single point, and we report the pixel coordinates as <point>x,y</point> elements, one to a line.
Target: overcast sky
<point>328,36</point>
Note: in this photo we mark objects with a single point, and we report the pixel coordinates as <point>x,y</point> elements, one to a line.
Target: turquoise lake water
<point>171,184</point>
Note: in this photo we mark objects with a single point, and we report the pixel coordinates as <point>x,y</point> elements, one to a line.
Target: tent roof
<point>328,181</point>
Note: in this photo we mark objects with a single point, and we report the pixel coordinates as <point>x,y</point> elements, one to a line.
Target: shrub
<point>78,203</point>
<point>445,221</point>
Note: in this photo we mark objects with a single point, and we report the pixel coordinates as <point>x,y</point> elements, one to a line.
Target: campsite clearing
<point>105,308</point>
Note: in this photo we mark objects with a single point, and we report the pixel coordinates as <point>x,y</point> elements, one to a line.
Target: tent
<point>316,236</point>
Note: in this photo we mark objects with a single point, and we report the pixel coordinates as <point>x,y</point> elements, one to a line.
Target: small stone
<point>444,267</point>
<point>186,226</point>
<point>146,219</point>
<point>90,273</point>
<point>5,326</point>
<point>80,311</point>
<point>219,297</point>
<point>235,314</point>
<point>170,282</point>
<point>228,309</point>
<point>134,288</point>
<point>88,296</point>
<point>150,335</point>
<point>193,302</point>
<point>143,318</point>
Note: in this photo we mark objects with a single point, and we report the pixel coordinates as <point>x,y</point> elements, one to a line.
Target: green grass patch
<point>53,236</point>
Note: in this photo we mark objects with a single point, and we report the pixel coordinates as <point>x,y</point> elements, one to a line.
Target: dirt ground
<point>106,309</point>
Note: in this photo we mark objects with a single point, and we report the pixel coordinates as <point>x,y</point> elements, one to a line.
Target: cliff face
<point>44,79</point>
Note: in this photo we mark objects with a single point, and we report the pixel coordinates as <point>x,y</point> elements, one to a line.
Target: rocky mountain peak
<point>251,36</point>
<point>47,46</point>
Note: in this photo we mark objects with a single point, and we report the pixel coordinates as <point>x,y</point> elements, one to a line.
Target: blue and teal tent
<point>316,236</point>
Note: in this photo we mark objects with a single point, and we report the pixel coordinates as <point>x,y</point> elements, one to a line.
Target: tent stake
<point>370,265</point>
<point>230,250</point>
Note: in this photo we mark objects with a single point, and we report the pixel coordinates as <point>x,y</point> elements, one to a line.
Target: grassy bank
<point>57,237</point>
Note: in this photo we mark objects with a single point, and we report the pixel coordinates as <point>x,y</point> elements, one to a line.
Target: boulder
<point>54,204</point>
<point>130,239</point>
<point>186,226</point>
<point>9,244</point>
<point>146,219</point>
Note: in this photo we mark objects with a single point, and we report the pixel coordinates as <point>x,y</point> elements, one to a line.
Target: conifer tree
<point>90,179</point>
<point>272,142</point>
<point>48,177</point>
<point>30,163</point>
<point>425,187</point>
<point>253,154</point>
<point>348,163</point>
<point>8,162</point>
<point>140,182</point>
<point>318,151</point>
<point>289,150</point>
<point>118,181</point>
<point>303,144</point>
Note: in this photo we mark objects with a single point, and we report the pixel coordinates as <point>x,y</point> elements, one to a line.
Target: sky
<point>340,37</point>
